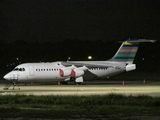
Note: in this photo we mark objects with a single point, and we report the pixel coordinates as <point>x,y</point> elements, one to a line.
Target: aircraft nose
<point>6,77</point>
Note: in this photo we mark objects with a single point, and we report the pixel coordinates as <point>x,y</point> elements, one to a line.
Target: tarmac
<point>129,88</point>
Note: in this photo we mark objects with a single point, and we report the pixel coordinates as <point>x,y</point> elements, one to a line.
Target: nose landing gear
<point>13,83</point>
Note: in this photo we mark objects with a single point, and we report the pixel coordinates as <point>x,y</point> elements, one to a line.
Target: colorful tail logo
<point>126,52</point>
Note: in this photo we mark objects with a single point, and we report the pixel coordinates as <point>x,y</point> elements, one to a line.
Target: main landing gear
<point>12,83</point>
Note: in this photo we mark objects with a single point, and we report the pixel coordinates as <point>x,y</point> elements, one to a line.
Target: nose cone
<point>6,77</point>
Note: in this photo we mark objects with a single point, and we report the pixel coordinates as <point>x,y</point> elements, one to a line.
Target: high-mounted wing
<point>88,64</point>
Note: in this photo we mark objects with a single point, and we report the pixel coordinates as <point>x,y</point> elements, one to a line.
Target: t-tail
<point>127,51</point>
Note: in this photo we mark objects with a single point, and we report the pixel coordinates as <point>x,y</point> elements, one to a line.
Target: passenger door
<point>31,70</point>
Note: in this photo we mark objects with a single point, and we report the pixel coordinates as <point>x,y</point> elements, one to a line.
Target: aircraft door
<point>31,70</point>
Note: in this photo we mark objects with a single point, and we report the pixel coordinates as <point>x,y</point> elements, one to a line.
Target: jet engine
<point>66,71</point>
<point>77,73</point>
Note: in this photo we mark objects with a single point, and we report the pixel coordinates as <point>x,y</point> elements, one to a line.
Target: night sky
<point>56,20</point>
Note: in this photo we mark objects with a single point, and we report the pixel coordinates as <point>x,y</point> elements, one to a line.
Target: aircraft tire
<point>64,83</point>
<point>78,83</point>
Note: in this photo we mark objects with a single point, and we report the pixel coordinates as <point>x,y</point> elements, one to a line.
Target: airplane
<point>77,71</point>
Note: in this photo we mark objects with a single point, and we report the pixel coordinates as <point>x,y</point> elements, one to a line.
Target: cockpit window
<point>16,69</point>
<point>19,69</point>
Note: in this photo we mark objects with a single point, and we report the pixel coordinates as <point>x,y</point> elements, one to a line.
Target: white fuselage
<point>45,72</point>
<point>78,71</point>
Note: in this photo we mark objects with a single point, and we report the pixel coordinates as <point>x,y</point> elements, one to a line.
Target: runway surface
<point>133,89</point>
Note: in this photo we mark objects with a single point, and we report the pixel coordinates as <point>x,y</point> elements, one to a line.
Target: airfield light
<point>89,57</point>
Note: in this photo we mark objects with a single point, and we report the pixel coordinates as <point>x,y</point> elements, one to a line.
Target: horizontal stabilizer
<point>138,40</point>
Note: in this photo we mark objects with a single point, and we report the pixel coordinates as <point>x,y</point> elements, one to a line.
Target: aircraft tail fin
<point>127,51</point>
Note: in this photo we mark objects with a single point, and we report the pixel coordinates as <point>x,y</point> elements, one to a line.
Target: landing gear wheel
<point>5,88</point>
<point>12,83</point>
<point>78,83</point>
<point>63,83</point>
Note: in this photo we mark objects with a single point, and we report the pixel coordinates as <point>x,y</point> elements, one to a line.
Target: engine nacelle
<point>64,73</point>
<point>130,67</point>
<point>77,73</point>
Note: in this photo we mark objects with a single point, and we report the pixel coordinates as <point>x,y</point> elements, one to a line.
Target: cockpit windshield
<point>19,69</point>
<point>15,69</point>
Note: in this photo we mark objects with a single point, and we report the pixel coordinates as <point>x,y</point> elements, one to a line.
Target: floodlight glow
<point>89,57</point>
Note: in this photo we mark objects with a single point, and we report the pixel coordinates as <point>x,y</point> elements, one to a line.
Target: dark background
<point>56,20</point>
<point>53,30</point>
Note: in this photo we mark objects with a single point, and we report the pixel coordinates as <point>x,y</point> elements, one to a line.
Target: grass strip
<point>111,106</point>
